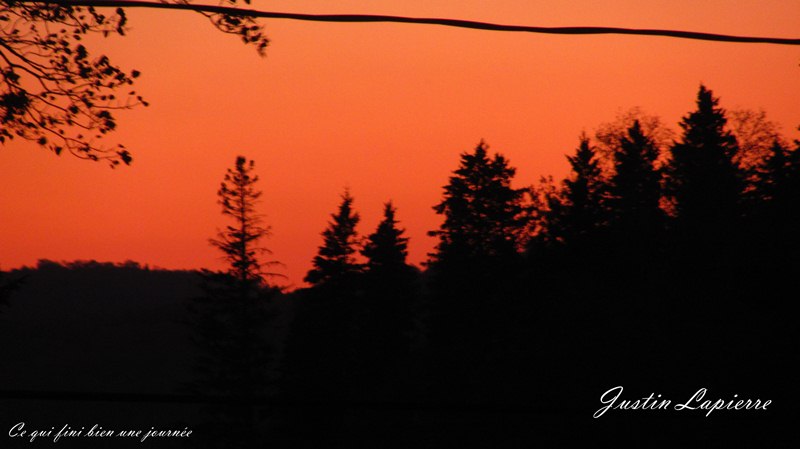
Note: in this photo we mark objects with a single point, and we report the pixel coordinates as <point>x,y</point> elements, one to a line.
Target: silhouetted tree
<point>619,226</point>
<point>785,194</point>
<point>774,216</point>
<point>579,208</point>
<point>755,135</point>
<point>608,135</point>
<point>482,214</point>
<point>385,314</point>
<point>703,178</point>
<point>474,268</point>
<point>230,320</point>
<point>386,249</point>
<point>239,242</point>
<point>635,186</point>
<point>704,189</point>
<point>335,262</point>
<point>779,176</point>
<point>322,349</point>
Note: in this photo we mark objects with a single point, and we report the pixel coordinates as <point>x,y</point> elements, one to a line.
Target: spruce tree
<point>778,181</point>
<point>387,248</point>
<point>385,313</point>
<point>775,210</point>
<point>703,178</point>
<point>706,190</point>
<point>634,188</point>
<point>579,210</point>
<point>482,213</point>
<point>229,322</point>
<point>475,268</point>
<point>321,357</point>
<point>239,242</point>
<point>335,261</point>
<point>631,252</point>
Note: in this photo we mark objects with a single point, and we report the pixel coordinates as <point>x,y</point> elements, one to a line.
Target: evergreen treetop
<point>583,196</point>
<point>482,211</point>
<point>387,248</point>
<point>635,188</point>
<point>703,177</point>
<point>238,197</point>
<point>335,259</point>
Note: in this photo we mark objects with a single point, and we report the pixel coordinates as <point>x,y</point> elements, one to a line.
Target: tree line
<point>662,262</point>
<point>651,255</point>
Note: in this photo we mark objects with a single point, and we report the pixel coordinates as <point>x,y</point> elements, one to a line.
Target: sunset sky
<point>383,109</point>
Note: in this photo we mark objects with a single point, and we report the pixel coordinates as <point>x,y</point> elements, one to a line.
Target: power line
<point>369,18</point>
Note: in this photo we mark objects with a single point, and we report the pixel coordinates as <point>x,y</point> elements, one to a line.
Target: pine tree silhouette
<point>774,217</point>
<point>580,207</point>
<point>239,242</point>
<point>230,320</point>
<point>386,249</point>
<point>322,351</point>
<point>390,289</point>
<point>703,178</point>
<point>635,189</point>
<point>474,268</point>
<point>483,213</point>
<point>335,261</point>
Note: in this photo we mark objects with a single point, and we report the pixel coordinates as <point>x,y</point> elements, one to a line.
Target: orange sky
<point>384,109</point>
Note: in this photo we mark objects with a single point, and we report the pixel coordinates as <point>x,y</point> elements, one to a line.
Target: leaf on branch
<point>54,92</point>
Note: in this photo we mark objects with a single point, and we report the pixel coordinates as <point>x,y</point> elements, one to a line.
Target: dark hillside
<point>90,326</point>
